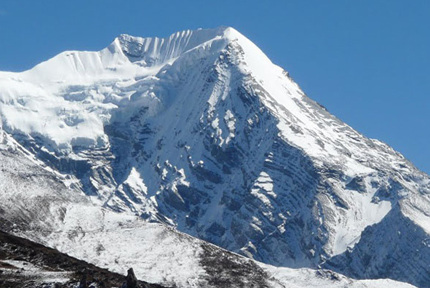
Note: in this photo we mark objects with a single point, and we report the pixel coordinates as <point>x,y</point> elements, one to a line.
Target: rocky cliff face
<point>202,132</point>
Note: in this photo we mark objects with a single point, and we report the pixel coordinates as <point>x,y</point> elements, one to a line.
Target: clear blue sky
<point>368,61</point>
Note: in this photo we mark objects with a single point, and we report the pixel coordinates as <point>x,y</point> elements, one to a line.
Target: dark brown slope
<point>51,261</point>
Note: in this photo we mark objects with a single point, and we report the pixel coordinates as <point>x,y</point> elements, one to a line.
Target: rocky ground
<point>27,264</point>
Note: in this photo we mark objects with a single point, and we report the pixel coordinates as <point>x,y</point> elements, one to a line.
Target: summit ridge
<point>159,50</point>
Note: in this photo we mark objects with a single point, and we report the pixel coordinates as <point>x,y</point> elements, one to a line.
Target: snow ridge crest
<point>154,50</point>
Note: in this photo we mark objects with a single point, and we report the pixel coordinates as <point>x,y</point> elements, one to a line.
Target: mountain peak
<point>155,51</point>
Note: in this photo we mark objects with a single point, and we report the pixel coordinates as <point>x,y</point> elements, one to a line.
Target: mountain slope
<point>202,132</point>
<point>35,204</point>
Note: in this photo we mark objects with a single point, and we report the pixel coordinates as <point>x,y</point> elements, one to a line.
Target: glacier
<point>201,134</point>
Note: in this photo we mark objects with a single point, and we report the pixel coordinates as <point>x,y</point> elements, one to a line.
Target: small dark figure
<point>131,279</point>
<point>83,282</point>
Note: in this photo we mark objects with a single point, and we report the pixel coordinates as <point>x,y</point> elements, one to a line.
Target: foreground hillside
<point>24,263</point>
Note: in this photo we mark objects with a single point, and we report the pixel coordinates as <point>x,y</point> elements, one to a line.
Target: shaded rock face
<point>212,138</point>
<point>397,245</point>
<point>236,194</point>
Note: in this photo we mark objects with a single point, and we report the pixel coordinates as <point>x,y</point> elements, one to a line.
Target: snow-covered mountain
<point>35,204</point>
<point>202,132</point>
